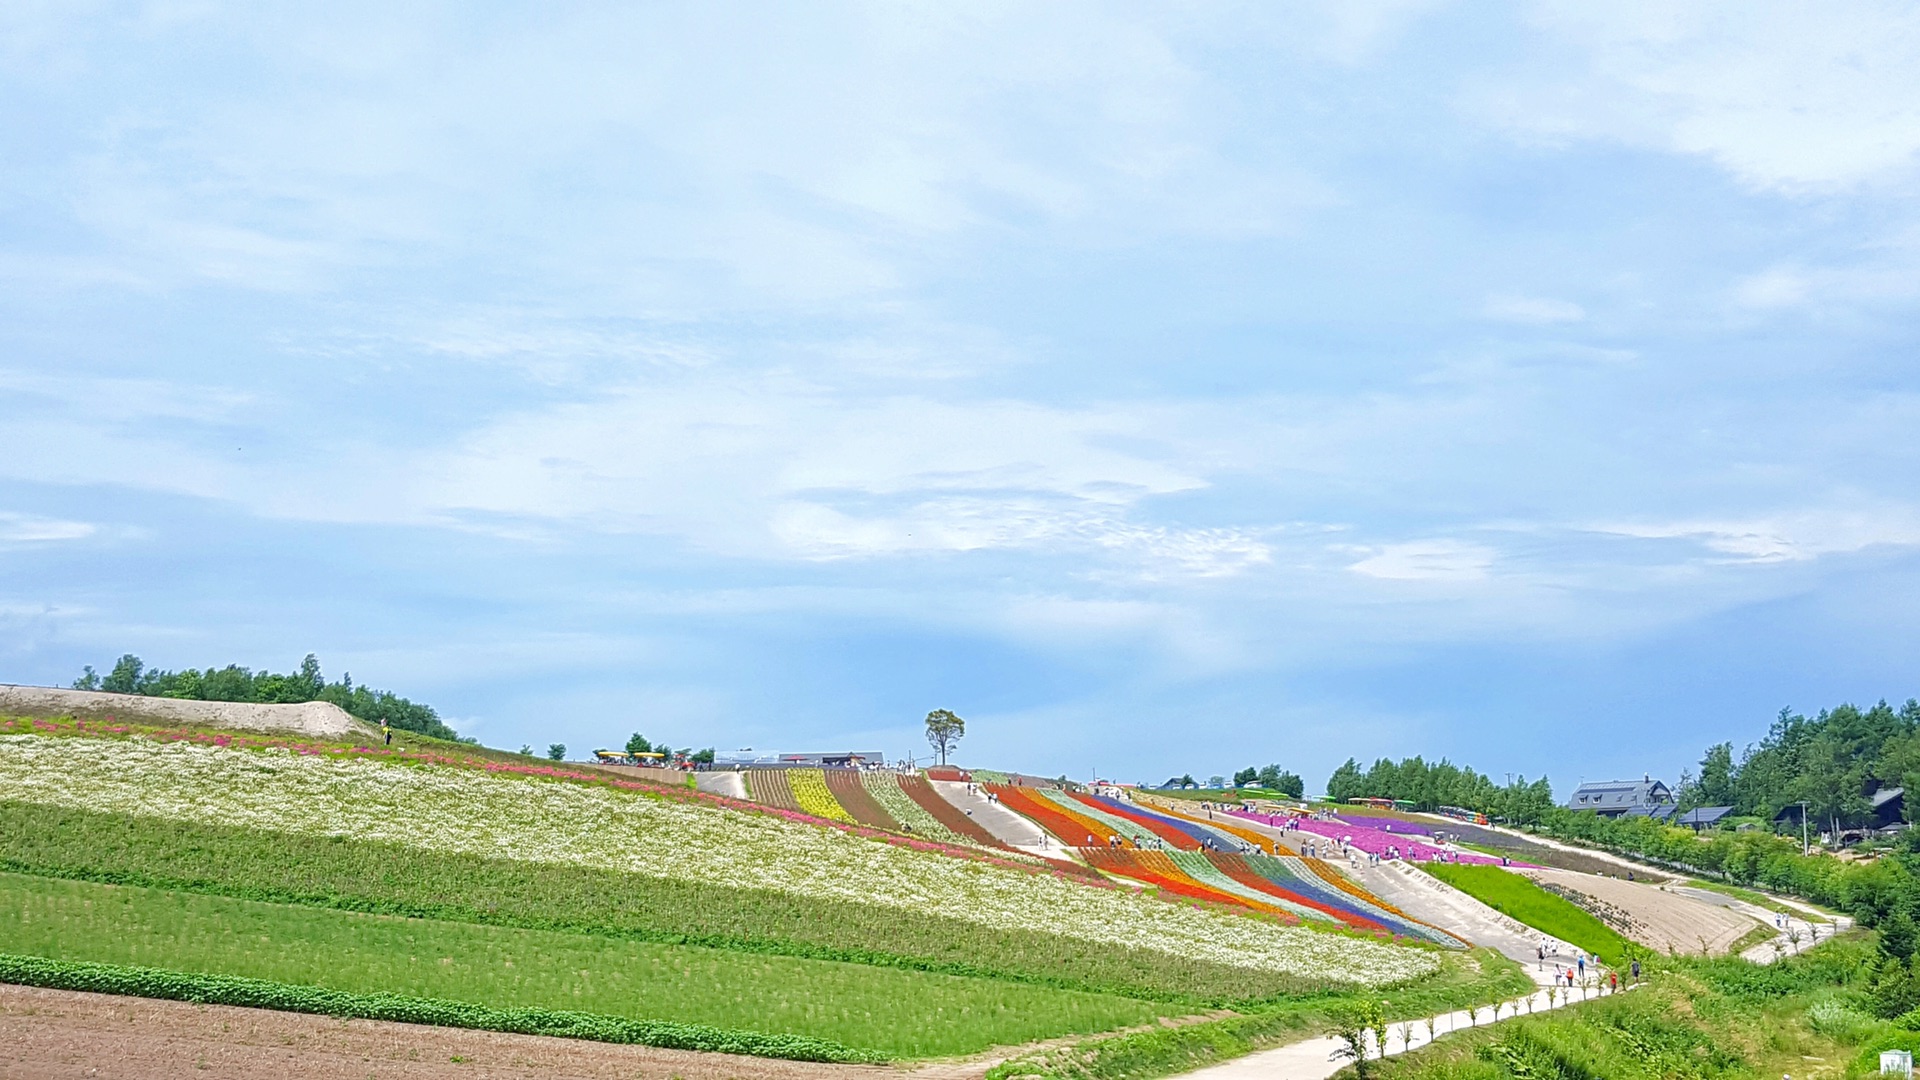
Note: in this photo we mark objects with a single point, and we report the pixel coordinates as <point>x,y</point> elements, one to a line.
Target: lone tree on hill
<point>557,751</point>
<point>638,744</point>
<point>944,730</point>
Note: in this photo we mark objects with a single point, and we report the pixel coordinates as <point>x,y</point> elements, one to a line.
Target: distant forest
<point>1833,762</point>
<point>235,683</point>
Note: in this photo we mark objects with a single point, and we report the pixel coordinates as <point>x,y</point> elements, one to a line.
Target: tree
<point>1289,783</point>
<point>943,731</point>
<point>557,751</point>
<point>1216,781</point>
<point>702,757</point>
<point>1245,777</point>
<point>88,680</point>
<point>125,677</point>
<point>1268,777</point>
<point>1346,782</point>
<point>1715,786</point>
<point>638,744</point>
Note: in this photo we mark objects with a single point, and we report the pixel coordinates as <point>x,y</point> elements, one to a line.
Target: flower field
<point>917,789</point>
<point>885,789</point>
<point>1378,836</point>
<point>851,793</point>
<point>810,791</point>
<point>464,811</point>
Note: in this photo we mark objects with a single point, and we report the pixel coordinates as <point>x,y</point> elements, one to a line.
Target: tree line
<point>1833,762</point>
<point>1431,785</point>
<point>234,683</point>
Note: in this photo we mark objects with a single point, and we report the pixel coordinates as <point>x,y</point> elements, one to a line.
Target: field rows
<point>455,811</point>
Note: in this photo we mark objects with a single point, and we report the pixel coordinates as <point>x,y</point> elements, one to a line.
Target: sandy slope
<point>317,718</point>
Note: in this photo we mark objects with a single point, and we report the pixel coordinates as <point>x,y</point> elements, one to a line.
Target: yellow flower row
<point>810,791</point>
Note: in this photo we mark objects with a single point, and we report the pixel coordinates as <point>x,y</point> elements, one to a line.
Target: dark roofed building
<point>1612,798</point>
<point>1889,806</point>
<point>1703,817</point>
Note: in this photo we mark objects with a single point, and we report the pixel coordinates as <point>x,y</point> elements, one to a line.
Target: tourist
<point>1636,970</point>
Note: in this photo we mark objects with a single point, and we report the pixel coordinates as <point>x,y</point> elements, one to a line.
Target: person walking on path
<point>386,732</point>
<point>1636,970</point>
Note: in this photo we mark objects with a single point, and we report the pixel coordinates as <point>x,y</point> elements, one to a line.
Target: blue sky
<point>1163,390</point>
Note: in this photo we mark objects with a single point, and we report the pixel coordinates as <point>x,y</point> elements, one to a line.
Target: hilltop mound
<point>317,718</point>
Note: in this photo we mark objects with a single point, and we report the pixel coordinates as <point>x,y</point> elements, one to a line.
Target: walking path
<point>1781,944</point>
<point>1008,827</point>
<point>1312,1059</point>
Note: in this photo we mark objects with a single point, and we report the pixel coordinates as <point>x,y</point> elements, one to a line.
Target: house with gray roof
<point>1612,798</point>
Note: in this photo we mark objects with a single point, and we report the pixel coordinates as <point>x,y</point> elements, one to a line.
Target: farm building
<point>1612,798</point>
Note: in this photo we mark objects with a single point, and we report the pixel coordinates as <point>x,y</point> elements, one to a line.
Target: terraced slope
<point>956,821</point>
<point>670,834</point>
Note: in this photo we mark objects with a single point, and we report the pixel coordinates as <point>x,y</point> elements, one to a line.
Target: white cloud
<point>1776,288</point>
<point>1532,309</point>
<point>1784,96</point>
<point>26,528</point>
<point>1793,537</point>
<point>1439,560</point>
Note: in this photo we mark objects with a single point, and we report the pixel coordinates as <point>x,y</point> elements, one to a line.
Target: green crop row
<point>1519,898</point>
<point>354,875</point>
<point>263,994</point>
<point>900,1014</point>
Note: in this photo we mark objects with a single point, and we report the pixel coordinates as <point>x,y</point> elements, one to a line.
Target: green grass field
<point>1515,896</point>
<point>908,1014</point>
<point>1695,1019</point>
<point>388,879</point>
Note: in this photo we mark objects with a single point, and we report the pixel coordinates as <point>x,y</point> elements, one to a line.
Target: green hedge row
<point>262,994</point>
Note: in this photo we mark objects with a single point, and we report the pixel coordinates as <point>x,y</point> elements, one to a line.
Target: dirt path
<point>61,1034</point>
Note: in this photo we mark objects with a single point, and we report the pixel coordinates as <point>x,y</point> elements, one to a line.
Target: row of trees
<point>1833,762</point>
<point>234,683</point>
<point>1431,785</point>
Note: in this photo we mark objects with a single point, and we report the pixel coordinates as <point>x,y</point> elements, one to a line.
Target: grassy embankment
<point>1519,898</point>
<point>1759,899</point>
<point>898,1013</point>
<point>1695,1020</point>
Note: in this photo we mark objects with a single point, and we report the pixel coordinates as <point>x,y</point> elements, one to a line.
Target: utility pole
<point>1805,849</point>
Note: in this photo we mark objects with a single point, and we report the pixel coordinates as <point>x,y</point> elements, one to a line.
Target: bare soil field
<point>62,1034</point>
<point>1652,915</point>
<point>316,718</point>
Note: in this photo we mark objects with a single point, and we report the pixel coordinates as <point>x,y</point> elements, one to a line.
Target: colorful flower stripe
<point>1330,874</point>
<point>1199,866</point>
<point>1069,828</point>
<point>1259,840</point>
<point>1105,824</point>
<point>1336,903</point>
<point>913,818</point>
<point>810,791</point>
<point>1154,868</point>
<point>851,793</point>
<point>1376,841</point>
<point>1179,836</point>
<point>1321,878</point>
<point>955,819</point>
<point>1318,898</point>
